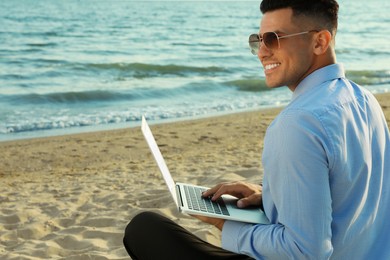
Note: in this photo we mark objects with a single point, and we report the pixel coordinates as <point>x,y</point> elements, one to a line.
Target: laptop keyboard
<point>197,202</point>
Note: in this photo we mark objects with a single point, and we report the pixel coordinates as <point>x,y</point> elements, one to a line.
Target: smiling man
<point>326,158</point>
<point>295,44</point>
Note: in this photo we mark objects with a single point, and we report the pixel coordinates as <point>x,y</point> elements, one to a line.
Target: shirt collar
<point>330,72</point>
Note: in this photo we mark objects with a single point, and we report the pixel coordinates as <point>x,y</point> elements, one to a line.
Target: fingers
<point>226,188</point>
<point>210,192</point>
<point>252,200</point>
<point>217,191</point>
<point>237,189</point>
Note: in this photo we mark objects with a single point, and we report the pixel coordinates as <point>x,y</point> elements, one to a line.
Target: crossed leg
<point>153,236</point>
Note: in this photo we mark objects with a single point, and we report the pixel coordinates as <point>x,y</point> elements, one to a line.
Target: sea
<point>71,66</point>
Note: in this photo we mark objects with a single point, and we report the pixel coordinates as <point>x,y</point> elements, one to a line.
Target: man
<point>326,158</point>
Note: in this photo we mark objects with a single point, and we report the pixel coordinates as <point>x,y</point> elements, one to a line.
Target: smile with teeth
<point>271,66</point>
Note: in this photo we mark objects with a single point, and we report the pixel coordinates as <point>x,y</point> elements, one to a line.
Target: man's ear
<point>323,40</point>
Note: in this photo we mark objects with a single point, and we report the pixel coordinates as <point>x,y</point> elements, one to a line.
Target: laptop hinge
<point>178,194</point>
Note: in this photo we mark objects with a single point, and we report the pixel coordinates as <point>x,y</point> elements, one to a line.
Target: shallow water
<point>76,65</point>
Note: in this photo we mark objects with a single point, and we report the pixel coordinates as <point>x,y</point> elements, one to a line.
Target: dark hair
<point>322,11</point>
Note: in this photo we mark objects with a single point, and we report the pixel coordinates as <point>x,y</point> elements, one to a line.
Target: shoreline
<point>39,134</point>
<point>71,196</point>
<point>134,124</point>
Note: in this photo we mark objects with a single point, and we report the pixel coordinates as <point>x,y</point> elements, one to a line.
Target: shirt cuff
<point>230,235</point>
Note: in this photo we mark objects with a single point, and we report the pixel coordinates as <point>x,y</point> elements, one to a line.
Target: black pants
<point>152,236</point>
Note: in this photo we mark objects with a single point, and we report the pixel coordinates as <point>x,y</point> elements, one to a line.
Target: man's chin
<point>273,84</point>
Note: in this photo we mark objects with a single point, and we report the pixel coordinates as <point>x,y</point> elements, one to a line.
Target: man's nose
<point>263,51</point>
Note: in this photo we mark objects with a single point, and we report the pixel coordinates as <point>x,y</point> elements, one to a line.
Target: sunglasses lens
<point>270,40</point>
<point>254,42</point>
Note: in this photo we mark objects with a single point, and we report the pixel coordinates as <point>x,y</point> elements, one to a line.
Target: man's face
<point>294,60</point>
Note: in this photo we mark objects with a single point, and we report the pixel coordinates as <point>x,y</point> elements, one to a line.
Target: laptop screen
<point>159,158</point>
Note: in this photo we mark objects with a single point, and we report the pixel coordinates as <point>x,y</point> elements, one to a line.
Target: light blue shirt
<point>326,186</point>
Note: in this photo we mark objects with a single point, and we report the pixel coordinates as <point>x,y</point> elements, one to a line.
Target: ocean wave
<point>42,44</point>
<point>359,51</point>
<point>364,78</point>
<point>56,123</point>
<point>90,96</point>
<point>369,77</point>
<point>62,119</point>
<point>65,97</point>
<point>251,85</point>
<point>143,70</point>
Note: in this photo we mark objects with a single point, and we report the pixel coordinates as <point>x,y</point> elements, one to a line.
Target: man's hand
<point>217,222</point>
<point>247,193</point>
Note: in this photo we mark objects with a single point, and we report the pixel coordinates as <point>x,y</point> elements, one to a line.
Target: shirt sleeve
<point>296,195</point>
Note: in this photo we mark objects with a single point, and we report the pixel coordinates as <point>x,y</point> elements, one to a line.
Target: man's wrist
<point>220,224</point>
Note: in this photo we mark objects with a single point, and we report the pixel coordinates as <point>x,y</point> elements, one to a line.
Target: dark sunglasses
<point>270,40</point>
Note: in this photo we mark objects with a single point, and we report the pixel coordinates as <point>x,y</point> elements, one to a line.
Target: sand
<point>71,196</point>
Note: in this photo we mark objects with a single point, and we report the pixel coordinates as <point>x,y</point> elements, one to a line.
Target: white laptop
<point>188,197</point>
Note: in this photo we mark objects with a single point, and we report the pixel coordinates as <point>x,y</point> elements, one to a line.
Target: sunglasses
<point>270,40</point>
